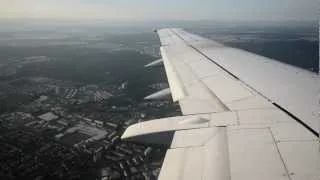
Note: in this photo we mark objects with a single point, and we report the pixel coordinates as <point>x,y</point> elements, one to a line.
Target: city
<point>60,126</point>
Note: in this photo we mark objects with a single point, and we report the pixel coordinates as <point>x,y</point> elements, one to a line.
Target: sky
<point>132,10</point>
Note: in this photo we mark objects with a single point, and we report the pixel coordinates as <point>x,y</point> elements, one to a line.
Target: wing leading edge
<point>245,116</point>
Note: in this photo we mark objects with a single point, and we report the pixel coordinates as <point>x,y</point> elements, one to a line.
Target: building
<point>49,116</point>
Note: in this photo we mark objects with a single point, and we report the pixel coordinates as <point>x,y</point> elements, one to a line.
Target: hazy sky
<point>161,9</point>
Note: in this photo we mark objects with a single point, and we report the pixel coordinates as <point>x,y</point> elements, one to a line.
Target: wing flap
<point>208,150</point>
<point>254,155</point>
<point>179,164</point>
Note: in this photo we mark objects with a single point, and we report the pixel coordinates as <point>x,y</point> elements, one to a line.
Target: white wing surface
<point>245,116</point>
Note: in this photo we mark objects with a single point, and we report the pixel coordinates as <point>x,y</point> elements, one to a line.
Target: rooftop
<point>48,116</point>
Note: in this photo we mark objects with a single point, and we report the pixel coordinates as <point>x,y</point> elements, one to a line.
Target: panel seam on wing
<point>277,148</point>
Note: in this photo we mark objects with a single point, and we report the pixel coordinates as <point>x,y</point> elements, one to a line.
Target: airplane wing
<point>245,116</point>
